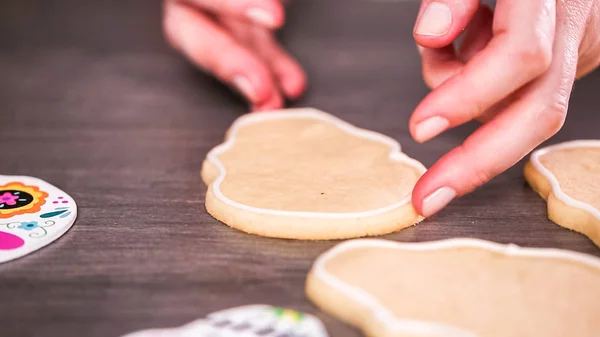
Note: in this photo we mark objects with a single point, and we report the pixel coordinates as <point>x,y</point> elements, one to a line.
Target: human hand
<point>234,41</point>
<point>514,72</point>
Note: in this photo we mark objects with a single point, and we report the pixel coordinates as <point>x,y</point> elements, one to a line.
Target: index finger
<point>520,51</point>
<point>532,118</point>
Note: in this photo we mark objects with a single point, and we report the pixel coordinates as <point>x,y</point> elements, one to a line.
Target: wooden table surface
<point>93,101</point>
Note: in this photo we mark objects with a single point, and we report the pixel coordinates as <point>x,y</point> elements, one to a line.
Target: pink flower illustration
<point>8,198</point>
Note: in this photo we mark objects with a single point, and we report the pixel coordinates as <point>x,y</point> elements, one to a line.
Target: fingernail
<point>435,20</point>
<point>430,128</point>
<point>245,87</point>
<point>260,17</point>
<point>437,200</point>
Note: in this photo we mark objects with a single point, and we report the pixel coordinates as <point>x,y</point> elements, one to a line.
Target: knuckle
<point>553,117</point>
<point>535,55</point>
<point>480,177</point>
<point>477,174</point>
<point>478,106</point>
<point>475,103</point>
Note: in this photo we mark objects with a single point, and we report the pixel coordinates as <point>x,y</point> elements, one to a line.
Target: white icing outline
<point>412,326</point>
<point>32,246</point>
<point>394,155</point>
<point>558,192</point>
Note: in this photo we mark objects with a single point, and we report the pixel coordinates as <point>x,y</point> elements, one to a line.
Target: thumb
<point>440,22</point>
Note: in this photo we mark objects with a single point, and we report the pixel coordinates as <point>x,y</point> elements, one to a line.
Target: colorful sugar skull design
<point>246,321</point>
<point>33,213</point>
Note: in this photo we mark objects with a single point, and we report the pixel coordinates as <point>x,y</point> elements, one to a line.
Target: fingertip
<point>264,86</point>
<point>212,49</point>
<point>269,14</point>
<point>294,84</point>
<point>416,200</point>
<point>431,195</point>
<point>420,191</point>
<point>414,135</point>
<point>441,22</point>
<point>253,79</point>
<point>291,77</point>
<point>252,87</point>
<point>274,102</point>
<point>435,20</point>
<point>429,128</point>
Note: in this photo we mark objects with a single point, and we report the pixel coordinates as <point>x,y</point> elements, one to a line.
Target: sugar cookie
<point>567,176</point>
<point>246,321</point>
<point>305,174</point>
<point>33,214</point>
<point>458,288</point>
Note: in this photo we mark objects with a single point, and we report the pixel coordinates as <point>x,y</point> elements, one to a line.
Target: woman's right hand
<point>514,72</point>
<point>234,41</point>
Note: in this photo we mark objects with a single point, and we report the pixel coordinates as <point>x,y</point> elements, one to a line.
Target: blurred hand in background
<point>234,41</point>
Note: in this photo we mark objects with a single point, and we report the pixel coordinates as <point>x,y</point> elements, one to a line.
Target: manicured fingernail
<point>437,200</point>
<point>435,20</point>
<point>245,87</point>
<point>430,128</point>
<point>261,17</point>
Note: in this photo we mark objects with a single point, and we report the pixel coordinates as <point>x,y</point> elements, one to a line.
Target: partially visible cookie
<point>305,174</point>
<point>458,288</point>
<point>567,176</point>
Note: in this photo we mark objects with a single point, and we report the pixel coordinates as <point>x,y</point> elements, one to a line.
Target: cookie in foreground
<point>457,288</point>
<point>305,174</point>
<point>567,176</point>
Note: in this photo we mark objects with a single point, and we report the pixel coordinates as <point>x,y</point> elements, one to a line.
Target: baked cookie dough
<point>305,174</point>
<point>567,176</point>
<point>458,288</point>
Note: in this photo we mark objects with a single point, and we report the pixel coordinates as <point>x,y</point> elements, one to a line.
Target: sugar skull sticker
<point>33,214</point>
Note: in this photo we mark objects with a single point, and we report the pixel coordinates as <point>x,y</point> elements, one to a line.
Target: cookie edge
<point>326,291</point>
<point>210,177</point>
<point>562,209</point>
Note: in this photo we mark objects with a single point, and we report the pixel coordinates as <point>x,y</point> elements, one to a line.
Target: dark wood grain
<point>92,100</point>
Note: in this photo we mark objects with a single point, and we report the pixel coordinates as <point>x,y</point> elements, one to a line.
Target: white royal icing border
<point>395,155</point>
<point>558,192</point>
<point>32,247</point>
<point>412,326</point>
